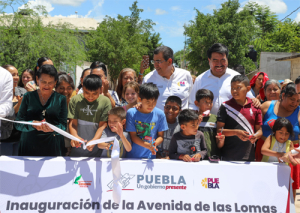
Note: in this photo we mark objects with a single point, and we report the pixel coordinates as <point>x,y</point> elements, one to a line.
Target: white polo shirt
<point>179,84</point>
<point>220,87</point>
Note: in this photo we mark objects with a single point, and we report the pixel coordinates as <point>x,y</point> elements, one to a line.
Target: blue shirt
<point>146,127</point>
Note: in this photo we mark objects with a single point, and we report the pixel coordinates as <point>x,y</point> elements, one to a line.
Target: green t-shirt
<point>209,128</point>
<point>88,114</point>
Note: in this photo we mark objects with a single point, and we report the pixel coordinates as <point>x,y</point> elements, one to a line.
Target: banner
<point>66,184</point>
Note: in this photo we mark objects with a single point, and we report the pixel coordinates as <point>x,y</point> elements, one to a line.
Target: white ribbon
<point>115,160</point>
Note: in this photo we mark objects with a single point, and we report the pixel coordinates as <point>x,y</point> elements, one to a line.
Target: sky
<point>169,15</point>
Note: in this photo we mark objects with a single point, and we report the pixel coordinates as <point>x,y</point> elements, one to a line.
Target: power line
<point>289,14</point>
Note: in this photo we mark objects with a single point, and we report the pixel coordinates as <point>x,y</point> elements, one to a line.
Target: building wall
<point>295,68</point>
<point>278,70</point>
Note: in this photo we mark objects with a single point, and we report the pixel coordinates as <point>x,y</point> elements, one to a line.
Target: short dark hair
<point>20,84</point>
<point>82,74</point>
<point>149,91</point>
<point>49,70</point>
<point>62,76</point>
<point>204,93</point>
<point>283,122</point>
<point>40,62</point>
<point>98,65</point>
<point>241,78</point>
<point>289,90</point>
<point>174,99</point>
<point>186,116</point>
<point>297,81</point>
<point>92,82</point>
<point>166,51</point>
<point>217,48</point>
<point>118,111</point>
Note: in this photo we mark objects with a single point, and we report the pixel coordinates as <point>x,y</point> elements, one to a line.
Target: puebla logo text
<point>161,182</point>
<point>210,183</point>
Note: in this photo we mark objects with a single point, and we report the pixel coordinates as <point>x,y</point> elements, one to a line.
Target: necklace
<point>43,102</point>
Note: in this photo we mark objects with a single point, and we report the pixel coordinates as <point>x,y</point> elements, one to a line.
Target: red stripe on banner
<point>122,189</point>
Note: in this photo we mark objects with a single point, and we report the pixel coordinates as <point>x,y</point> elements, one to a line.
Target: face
<point>91,96</point>
<point>163,67</point>
<point>46,83</point>
<point>204,104</point>
<point>239,90</point>
<point>100,73</point>
<point>147,105</point>
<point>272,92</point>
<point>26,77</point>
<point>86,73</point>
<point>14,72</point>
<point>113,120</point>
<point>290,103</point>
<point>218,64</point>
<point>171,110</point>
<point>259,81</point>
<point>282,135</point>
<point>65,89</point>
<point>190,128</point>
<point>130,95</point>
<point>127,77</point>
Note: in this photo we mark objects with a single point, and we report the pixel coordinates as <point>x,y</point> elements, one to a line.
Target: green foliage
<point>24,39</point>
<point>227,26</point>
<point>121,42</point>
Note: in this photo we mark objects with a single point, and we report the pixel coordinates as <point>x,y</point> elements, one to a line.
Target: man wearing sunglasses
<point>170,80</point>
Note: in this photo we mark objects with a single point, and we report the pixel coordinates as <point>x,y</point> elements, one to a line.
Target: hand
<point>243,135</point>
<point>30,87</point>
<point>109,146</point>
<point>253,138</point>
<point>186,158</point>
<point>105,85</point>
<point>153,148</point>
<point>46,128</point>
<point>256,102</point>
<point>220,139</point>
<point>38,128</point>
<point>200,118</point>
<point>20,98</point>
<point>196,157</point>
<point>294,159</point>
<point>138,106</point>
<point>118,129</point>
<point>76,143</point>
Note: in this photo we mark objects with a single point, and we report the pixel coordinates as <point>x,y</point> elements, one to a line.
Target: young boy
<point>208,125</point>
<point>116,121</point>
<point>171,109</point>
<point>188,144</point>
<point>88,116</point>
<point>146,125</point>
<point>241,122</point>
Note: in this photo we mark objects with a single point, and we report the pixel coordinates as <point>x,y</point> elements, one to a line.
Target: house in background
<point>294,61</point>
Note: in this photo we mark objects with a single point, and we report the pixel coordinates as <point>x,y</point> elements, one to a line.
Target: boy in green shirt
<point>88,114</point>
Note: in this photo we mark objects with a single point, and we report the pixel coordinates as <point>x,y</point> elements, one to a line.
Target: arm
<point>107,94</point>
<point>257,134</point>
<point>22,114</point>
<point>173,149</point>
<point>203,148</point>
<point>6,94</point>
<point>265,150</point>
<point>192,96</point>
<point>160,138</point>
<point>220,142</point>
<point>140,142</point>
<point>17,106</point>
<point>125,142</point>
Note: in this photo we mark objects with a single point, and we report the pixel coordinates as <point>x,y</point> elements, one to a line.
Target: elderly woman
<point>272,90</point>
<point>37,106</point>
<point>126,75</point>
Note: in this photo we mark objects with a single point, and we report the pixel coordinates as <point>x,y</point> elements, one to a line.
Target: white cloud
<point>297,19</point>
<point>175,8</point>
<point>32,4</point>
<point>211,7</point>
<point>160,12</point>
<point>149,9</point>
<point>172,31</point>
<point>276,6</point>
<point>67,2</point>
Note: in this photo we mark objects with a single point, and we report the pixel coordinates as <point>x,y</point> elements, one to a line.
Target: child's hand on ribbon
<point>153,148</point>
<point>185,158</point>
<point>243,135</point>
<point>76,143</point>
<point>196,157</point>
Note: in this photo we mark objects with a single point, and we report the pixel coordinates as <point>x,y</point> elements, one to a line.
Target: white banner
<point>85,185</point>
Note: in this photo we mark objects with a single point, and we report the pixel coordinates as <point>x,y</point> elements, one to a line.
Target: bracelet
<point>141,73</point>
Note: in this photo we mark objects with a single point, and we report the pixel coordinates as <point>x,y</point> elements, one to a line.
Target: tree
<point>227,26</point>
<point>24,39</point>
<point>121,42</point>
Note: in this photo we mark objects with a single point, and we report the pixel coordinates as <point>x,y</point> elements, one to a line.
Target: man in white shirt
<point>169,79</point>
<point>217,79</point>
<point>6,92</point>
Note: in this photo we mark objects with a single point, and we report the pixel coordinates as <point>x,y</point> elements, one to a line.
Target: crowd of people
<point>220,115</point>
